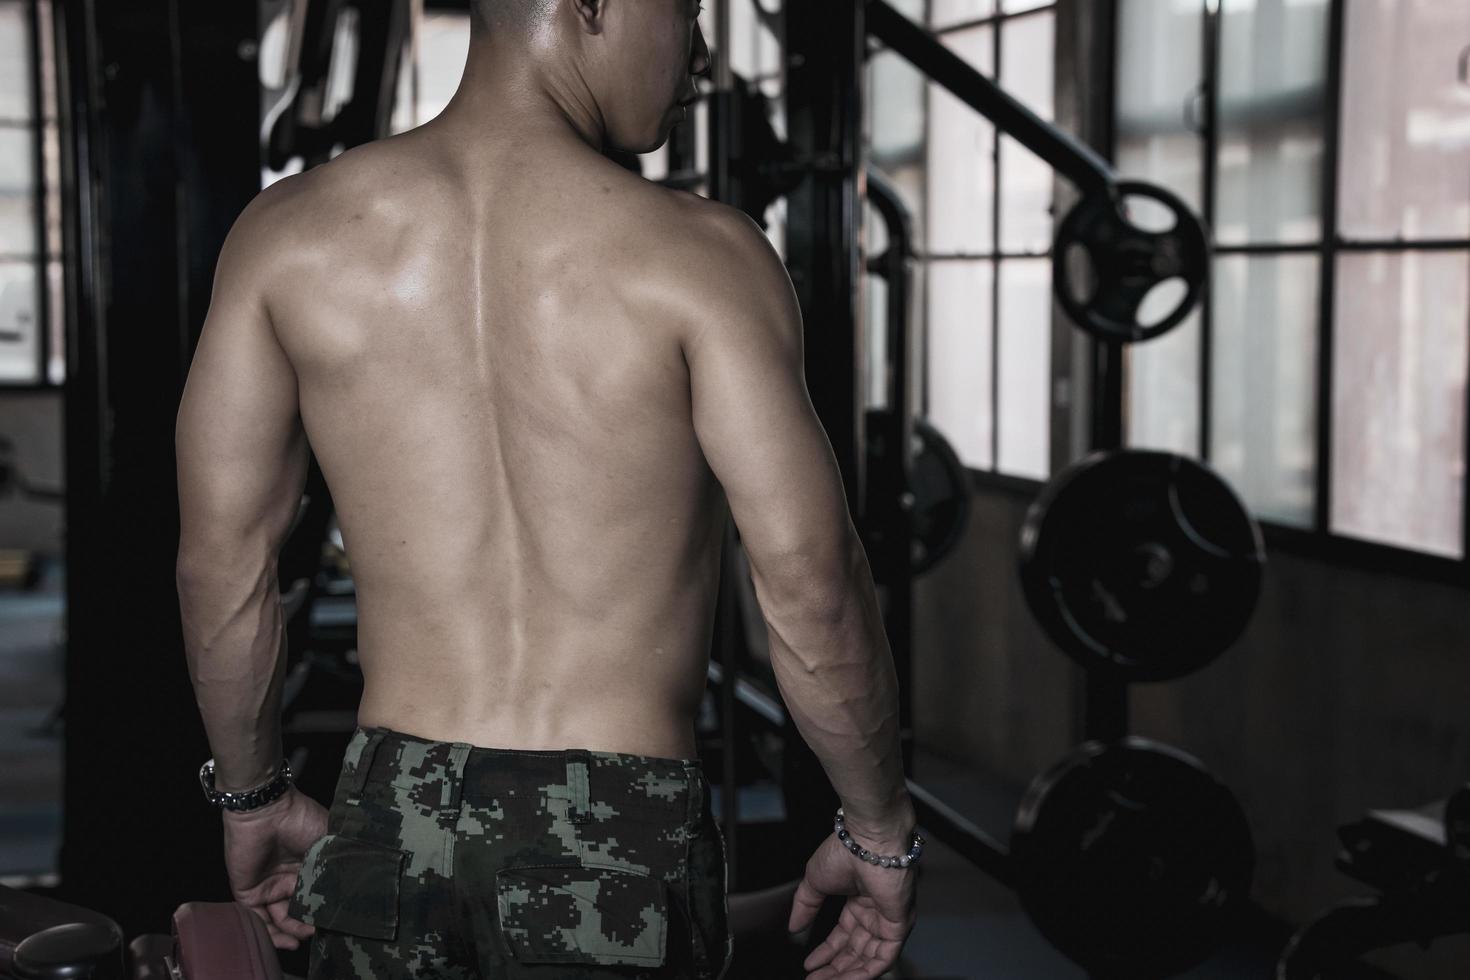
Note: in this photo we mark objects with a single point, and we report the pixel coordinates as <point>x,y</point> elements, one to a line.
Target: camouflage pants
<point>444,859</point>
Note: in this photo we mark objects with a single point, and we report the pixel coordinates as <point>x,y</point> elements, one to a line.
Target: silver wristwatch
<point>250,799</point>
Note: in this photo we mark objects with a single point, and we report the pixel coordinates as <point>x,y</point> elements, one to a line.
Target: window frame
<point>1318,541</point>
<point>996,256</point>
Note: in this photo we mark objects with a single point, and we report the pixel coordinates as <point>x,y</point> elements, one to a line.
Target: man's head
<point>635,58</point>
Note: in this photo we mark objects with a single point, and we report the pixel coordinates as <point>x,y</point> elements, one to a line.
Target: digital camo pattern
<point>449,860</point>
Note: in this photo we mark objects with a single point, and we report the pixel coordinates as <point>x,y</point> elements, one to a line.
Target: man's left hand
<point>263,853</point>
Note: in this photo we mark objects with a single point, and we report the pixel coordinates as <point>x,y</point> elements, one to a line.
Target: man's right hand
<point>875,920</point>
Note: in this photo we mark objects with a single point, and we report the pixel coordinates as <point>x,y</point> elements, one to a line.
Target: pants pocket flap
<point>582,914</point>
<point>349,885</point>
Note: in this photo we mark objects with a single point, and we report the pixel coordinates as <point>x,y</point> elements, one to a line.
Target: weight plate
<point>941,488</point>
<point>1141,563</point>
<point>1131,858</point>
<point>1127,262</point>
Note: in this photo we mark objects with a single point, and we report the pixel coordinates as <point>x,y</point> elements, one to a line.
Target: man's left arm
<point>242,456</point>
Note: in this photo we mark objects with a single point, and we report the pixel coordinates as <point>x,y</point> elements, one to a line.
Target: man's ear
<point>589,14</point>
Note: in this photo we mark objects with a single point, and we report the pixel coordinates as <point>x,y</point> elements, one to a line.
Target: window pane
<point>15,63</point>
<point>342,66</point>
<point>771,89</point>
<point>403,117</point>
<point>1163,390</point>
<point>908,180</point>
<point>51,155</point>
<point>1017,6</point>
<point>655,164</point>
<point>1272,72</point>
<point>961,159</point>
<point>1027,47</point>
<point>1405,121</point>
<point>56,357</point>
<point>444,46</point>
<point>17,191</point>
<point>943,13</point>
<point>1264,394</point>
<point>19,328</point>
<point>875,310</point>
<point>274,49</point>
<point>959,347</point>
<point>1025,367</point>
<point>1398,405</point>
<point>1158,111</point>
<point>895,108</point>
<point>753,48</point>
<point>912,9</point>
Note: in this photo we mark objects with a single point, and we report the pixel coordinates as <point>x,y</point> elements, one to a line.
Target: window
<point>431,69</point>
<point>983,231</point>
<point>31,335</point>
<point>1327,145</point>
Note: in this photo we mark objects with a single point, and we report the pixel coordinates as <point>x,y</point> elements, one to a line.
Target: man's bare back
<point>493,381</point>
<point>534,382</point>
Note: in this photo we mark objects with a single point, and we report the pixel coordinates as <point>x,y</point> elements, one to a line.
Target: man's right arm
<point>761,437</point>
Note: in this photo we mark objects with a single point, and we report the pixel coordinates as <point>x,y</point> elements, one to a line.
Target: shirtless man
<point>534,382</point>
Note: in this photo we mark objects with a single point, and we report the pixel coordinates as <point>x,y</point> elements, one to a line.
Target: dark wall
<point>1349,691</point>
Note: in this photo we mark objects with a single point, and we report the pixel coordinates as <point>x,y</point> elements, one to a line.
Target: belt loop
<point>358,763</point>
<point>580,803</point>
<point>453,786</point>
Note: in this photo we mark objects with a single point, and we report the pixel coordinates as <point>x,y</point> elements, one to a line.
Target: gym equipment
<point>1141,564</point>
<point>761,167</point>
<point>1131,858</point>
<point>937,498</point>
<point>299,126</point>
<point>1127,261</point>
<point>45,939</point>
<point>940,491</point>
<point>1418,863</point>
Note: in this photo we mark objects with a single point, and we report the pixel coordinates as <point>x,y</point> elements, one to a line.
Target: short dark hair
<point>508,15</point>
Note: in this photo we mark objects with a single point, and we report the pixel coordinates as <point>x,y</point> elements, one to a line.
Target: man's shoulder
<point>313,221</point>
<point>721,236</point>
<point>735,279</point>
<point>284,221</point>
<point>721,257</point>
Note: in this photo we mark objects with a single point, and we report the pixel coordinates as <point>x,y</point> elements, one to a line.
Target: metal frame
<point>825,70</point>
<point>889,483</point>
<point>155,167</point>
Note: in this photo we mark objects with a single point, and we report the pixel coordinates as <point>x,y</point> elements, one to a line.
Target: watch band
<point>916,847</point>
<point>243,800</point>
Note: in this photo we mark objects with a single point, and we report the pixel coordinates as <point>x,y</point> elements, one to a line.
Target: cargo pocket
<point>350,886</point>
<point>582,914</point>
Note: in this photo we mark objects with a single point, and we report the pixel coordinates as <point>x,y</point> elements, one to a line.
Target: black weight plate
<point>941,488</point>
<point>1127,262</point>
<point>1131,858</point>
<point>1141,563</point>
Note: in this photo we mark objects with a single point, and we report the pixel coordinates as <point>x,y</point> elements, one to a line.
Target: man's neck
<point>511,99</point>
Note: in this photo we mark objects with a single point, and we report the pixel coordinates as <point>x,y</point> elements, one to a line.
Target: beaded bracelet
<point>883,861</point>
